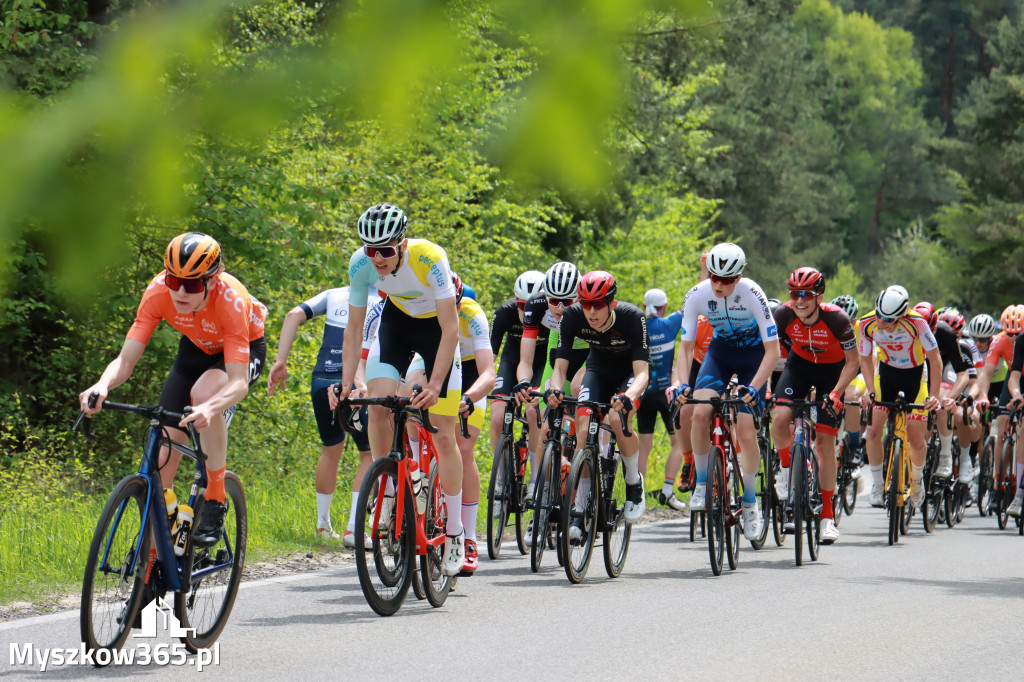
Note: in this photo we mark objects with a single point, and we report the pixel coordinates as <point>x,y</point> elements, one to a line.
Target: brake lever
<point>86,422</point>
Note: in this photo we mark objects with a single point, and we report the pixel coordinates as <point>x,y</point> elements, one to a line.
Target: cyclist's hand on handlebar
<point>359,391</point>
<point>466,406</point>
<point>427,397</point>
<point>201,416</point>
<point>837,401</point>
<point>948,404</point>
<point>866,400</point>
<point>931,403</point>
<point>335,394</point>
<point>981,404</point>
<point>681,393</point>
<point>553,397</point>
<point>621,402</point>
<point>84,396</point>
<point>750,395</point>
<point>522,391</point>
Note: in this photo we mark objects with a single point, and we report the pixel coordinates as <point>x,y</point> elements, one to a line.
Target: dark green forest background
<point>880,141</point>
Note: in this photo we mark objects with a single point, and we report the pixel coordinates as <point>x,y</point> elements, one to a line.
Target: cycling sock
<point>414,447</point>
<point>215,486</point>
<point>533,461</point>
<point>352,511</point>
<point>701,462</point>
<point>854,439</point>
<point>469,510</point>
<point>454,525</point>
<point>323,509</point>
<point>946,444</point>
<point>965,458</point>
<point>916,472</point>
<point>667,488</point>
<point>632,467</point>
<point>581,494</point>
<point>876,474</point>
<point>748,488</point>
<point>826,504</point>
<point>687,456</point>
<point>784,457</point>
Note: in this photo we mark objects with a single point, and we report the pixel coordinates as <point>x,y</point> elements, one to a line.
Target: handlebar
<point>393,403</point>
<point>147,411</point>
<point>899,405</point>
<point>518,406</point>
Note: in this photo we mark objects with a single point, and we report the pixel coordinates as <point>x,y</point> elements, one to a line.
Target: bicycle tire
<point>733,502</point>
<point>850,492</point>
<point>892,491</point>
<point>109,604</point>
<point>949,504</point>
<point>543,495</point>
<point>714,506</point>
<point>931,504</point>
<point>436,584</point>
<point>1006,489</point>
<point>764,499</point>
<point>842,478</point>
<point>797,492</point>
<point>696,521</point>
<point>778,506</point>
<point>417,586</point>
<point>500,493</point>
<point>207,605</point>
<point>813,508</point>
<point>963,494</point>
<point>578,554</point>
<point>393,551</point>
<point>616,533</point>
<point>985,480</point>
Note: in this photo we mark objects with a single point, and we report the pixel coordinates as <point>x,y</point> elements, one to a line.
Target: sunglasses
<point>521,304</point>
<point>382,251</point>
<point>565,302</point>
<point>593,305</point>
<point>887,320</point>
<point>799,294</point>
<point>192,286</point>
<point>724,280</point>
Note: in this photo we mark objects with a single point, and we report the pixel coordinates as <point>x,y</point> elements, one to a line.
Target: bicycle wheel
<point>813,508</point>
<point>115,568</point>
<point>616,532</point>
<point>577,553</point>
<point>544,496</point>
<point>500,494</point>
<point>892,491</point>
<point>764,499</point>
<point>435,518</point>
<point>697,521</point>
<point>849,495</point>
<point>216,573</point>
<point>417,586</point>
<point>715,510</point>
<point>778,506</point>
<point>524,511</point>
<point>733,500</point>
<point>385,570</point>
<point>932,503</point>
<point>962,497</point>
<point>949,505</point>
<point>842,479</point>
<point>797,472</point>
<point>986,469</point>
<point>1005,484</point>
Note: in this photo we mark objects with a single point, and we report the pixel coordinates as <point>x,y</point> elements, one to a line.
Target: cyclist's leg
<point>332,439</point>
<point>711,381</point>
<point>646,415</point>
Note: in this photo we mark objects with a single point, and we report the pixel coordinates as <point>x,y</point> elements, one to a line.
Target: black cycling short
<point>799,376</point>
<point>191,363</point>
<point>605,376</point>
<point>654,403</point>
<point>892,380</point>
<point>331,432</point>
<point>506,378</point>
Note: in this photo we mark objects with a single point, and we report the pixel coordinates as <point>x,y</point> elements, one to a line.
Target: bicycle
<point>549,486</point>
<point>133,558</point>
<point>772,507</point>
<point>603,500</point>
<point>986,462</point>
<point>804,485</point>
<point>399,530</point>
<point>897,463</point>
<point>847,480</point>
<point>1006,480</point>
<point>507,488</point>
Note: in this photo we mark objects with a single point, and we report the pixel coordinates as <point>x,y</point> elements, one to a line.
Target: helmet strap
<point>401,256</point>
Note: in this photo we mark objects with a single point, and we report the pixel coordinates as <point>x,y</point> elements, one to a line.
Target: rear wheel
<point>715,509</point>
<point>985,475</point>
<point>500,495</point>
<point>436,584</point>
<point>1005,484</point>
<point>385,570</point>
<point>544,495</point>
<point>799,491</point>
<point>579,508</point>
<point>764,498</point>
<point>892,490</point>
<point>932,502</point>
<point>615,537</point>
<point>733,500</point>
<point>849,495</point>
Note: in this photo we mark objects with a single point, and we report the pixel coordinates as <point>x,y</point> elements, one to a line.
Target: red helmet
<point>457,281</point>
<point>954,318</point>
<point>807,279</point>
<point>597,285</point>
<point>927,311</point>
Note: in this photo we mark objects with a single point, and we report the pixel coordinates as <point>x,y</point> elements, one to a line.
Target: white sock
<point>632,465</point>
<point>784,475</point>
<point>451,503</point>
<point>352,511</point>
<point>701,462</point>
<point>469,510</point>
<point>946,444</point>
<point>414,445</point>
<point>916,472</point>
<point>533,462</point>
<point>876,473</point>
<point>323,509</point>
<point>965,458</point>
<point>668,490</point>
<point>581,494</point>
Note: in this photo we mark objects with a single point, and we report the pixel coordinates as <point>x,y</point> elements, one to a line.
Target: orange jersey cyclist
<point>823,356</point>
<point>419,316</point>
<point>220,355</point>
<point>904,341</point>
<point>618,371</point>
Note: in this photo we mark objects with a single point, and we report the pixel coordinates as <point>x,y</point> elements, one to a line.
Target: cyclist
<point>823,357</point>
<point>856,388</point>
<point>508,327</point>
<point>661,332</point>
<point>957,388</point>
<point>615,331</point>
<point>746,343</point>
<point>1016,400</point>
<point>220,355</point>
<point>332,303</point>
<point>419,316</point>
<point>477,381</point>
<point>904,340</point>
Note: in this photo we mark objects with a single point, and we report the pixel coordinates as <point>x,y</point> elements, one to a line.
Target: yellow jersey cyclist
<point>220,355</point>
<point>856,388</point>
<point>904,341</point>
<point>618,371</point>
<point>419,316</point>
<point>477,381</point>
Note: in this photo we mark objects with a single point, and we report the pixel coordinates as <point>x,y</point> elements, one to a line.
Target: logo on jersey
<point>713,306</point>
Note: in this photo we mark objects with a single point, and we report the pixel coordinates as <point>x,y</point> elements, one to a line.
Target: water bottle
<point>523,456</point>
<point>185,517</point>
<point>173,523</point>
<point>566,465</point>
<point>419,486</point>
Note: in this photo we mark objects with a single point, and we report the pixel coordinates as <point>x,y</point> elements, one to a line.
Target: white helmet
<point>561,280</point>
<point>981,327</point>
<point>726,260</point>
<point>381,224</point>
<point>529,284</point>
<point>892,302</point>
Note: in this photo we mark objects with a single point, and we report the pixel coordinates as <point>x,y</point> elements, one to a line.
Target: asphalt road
<point>944,606</point>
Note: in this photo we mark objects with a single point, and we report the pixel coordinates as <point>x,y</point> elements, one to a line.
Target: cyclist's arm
<point>934,371</point>
<point>448,319</point>
<point>352,348</point>
<point>641,377</point>
<point>867,370</point>
<point>558,373</point>
<point>289,329</point>
<point>768,362</point>
<point>230,394</point>
<point>1013,385</point>
<point>962,379</point>
<point>527,350</point>
<point>684,359</point>
<point>484,383</point>
<point>850,370</point>
<point>116,373</point>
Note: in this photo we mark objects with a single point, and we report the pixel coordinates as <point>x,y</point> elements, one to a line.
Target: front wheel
<point>813,509</point>
<point>715,501</point>
<point>579,511</point>
<point>985,476</point>
<point>799,491</point>
<point>616,532</point>
<point>116,567</point>
<point>931,505</point>
<point>435,519</point>
<point>499,495</point>
<point>544,495</point>
<point>764,498</point>
<point>849,495</point>
<point>892,491</point>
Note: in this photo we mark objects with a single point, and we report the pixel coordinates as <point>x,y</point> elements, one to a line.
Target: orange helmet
<point>1012,319</point>
<point>192,255</point>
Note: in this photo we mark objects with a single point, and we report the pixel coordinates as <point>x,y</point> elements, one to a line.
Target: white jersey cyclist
<point>902,347</point>
<point>333,305</point>
<point>742,320</point>
<point>420,281</point>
